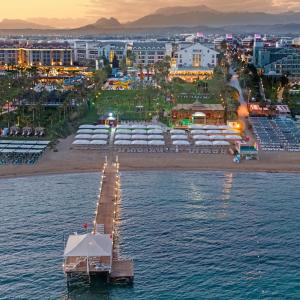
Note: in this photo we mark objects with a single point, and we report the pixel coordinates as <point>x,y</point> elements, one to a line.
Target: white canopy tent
<point>89,245</point>
<point>81,142</point>
<point>156,143</point>
<point>181,143</point>
<point>122,142</point>
<point>177,131</point>
<point>101,126</point>
<point>87,126</point>
<point>123,137</point>
<point>85,131</point>
<point>233,137</point>
<point>203,143</point>
<point>101,131</point>
<point>201,137</point>
<point>83,137</point>
<point>139,142</point>
<point>139,131</point>
<point>198,131</point>
<point>98,142</point>
<point>155,131</point>
<point>221,143</point>
<point>155,137</point>
<point>100,137</point>
<point>123,131</point>
<point>154,126</point>
<point>179,137</point>
<point>139,137</point>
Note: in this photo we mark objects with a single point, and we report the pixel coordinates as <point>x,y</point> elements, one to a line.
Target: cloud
<point>126,10</point>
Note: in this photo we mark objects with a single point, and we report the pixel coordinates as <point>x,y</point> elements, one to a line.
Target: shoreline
<point>71,161</point>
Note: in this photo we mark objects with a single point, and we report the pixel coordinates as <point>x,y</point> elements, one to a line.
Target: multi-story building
<point>35,54</point>
<point>148,53</point>
<point>86,51</point>
<point>196,56</point>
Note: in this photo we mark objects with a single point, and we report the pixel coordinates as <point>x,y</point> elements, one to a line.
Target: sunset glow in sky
<point>84,11</point>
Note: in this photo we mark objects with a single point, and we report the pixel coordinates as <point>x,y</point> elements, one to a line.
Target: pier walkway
<point>98,252</point>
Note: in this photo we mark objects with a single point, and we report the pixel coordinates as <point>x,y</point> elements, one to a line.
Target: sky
<point>69,13</point>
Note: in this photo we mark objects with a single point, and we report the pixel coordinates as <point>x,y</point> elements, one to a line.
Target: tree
<point>115,62</point>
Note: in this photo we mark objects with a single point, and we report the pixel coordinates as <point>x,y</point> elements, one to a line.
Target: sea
<point>192,235</point>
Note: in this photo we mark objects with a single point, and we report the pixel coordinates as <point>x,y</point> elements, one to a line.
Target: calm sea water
<point>192,235</point>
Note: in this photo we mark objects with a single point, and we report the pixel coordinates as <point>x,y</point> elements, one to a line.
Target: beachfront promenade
<point>97,253</point>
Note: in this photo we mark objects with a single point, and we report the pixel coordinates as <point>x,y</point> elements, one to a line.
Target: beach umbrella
<point>138,126</point>
<point>224,127</point>
<point>210,127</point>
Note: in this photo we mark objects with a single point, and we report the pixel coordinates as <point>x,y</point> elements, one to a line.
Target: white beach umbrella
<point>203,143</point>
<point>179,137</point>
<point>181,143</point>
<point>98,142</point>
<point>156,143</point>
<point>100,137</point>
<point>123,137</point>
<point>83,137</point>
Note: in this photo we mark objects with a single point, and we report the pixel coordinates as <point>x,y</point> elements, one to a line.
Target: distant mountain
<point>108,23</point>
<point>174,10</point>
<point>203,15</point>
<point>20,24</point>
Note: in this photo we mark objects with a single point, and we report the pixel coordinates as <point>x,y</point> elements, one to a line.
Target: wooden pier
<point>105,231</point>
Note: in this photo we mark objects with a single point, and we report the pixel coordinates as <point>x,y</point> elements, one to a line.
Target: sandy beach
<point>68,160</point>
